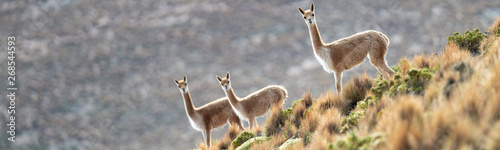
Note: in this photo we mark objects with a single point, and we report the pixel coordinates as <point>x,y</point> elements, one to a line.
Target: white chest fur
<point>324,59</point>
<point>237,112</point>
<point>196,122</point>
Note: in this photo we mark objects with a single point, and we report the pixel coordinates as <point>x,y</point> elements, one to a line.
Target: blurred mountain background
<point>99,74</point>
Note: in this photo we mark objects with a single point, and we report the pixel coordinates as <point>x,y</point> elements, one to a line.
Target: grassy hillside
<point>96,74</point>
<point>449,100</point>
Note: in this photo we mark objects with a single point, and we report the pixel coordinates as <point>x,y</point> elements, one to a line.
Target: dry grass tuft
<point>372,115</point>
<point>333,124</point>
<point>233,132</point>
<point>409,110</point>
<point>403,137</point>
<point>463,136</point>
<point>492,109</point>
<point>204,146</point>
<point>278,140</point>
<point>494,34</point>
<point>354,91</point>
<point>422,61</point>
<point>404,65</point>
<point>495,25</point>
<point>403,123</point>
<point>299,108</point>
<point>309,125</point>
<point>494,137</point>
<point>275,122</point>
<point>225,142</point>
<point>471,105</point>
<point>298,114</point>
<point>329,100</point>
<point>491,66</point>
<point>308,101</point>
<point>452,55</point>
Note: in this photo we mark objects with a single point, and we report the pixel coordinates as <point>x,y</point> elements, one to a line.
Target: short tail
<point>385,38</point>
<point>285,92</point>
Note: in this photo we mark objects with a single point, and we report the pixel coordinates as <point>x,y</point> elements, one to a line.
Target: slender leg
<point>382,68</point>
<point>338,81</point>
<point>204,135</point>
<point>251,121</point>
<point>388,70</point>
<point>240,125</point>
<point>255,122</point>
<point>208,137</point>
<point>382,72</point>
<point>235,120</point>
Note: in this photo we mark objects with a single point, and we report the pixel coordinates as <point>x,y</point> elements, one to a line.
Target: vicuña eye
<point>313,15</point>
<point>304,17</point>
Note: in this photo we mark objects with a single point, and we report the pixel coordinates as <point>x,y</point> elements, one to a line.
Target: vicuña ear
<point>227,75</point>
<point>312,6</point>
<point>301,11</point>
<point>185,79</point>
<point>218,78</point>
<point>177,82</point>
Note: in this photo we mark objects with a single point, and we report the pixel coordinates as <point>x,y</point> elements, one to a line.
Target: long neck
<point>233,99</point>
<point>316,40</point>
<point>188,103</point>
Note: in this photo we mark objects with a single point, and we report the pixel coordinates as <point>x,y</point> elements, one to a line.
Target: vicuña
<point>255,104</point>
<point>208,116</point>
<point>348,52</point>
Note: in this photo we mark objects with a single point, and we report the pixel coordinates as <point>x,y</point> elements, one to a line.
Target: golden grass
<point>330,100</point>
<point>309,123</point>
<point>332,125</point>
<point>453,54</point>
<point>423,61</point>
<point>493,141</point>
<point>354,91</point>
<point>274,122</point>
<point>308,101</point>
<point>373,115</point>
<point>225,142</point>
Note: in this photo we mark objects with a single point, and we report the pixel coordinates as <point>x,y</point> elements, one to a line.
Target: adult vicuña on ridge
<point>348,52</point>
<point>208,116</point>
<point>255,104</point>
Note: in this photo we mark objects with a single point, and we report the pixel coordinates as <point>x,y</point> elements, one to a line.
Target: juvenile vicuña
<point>209,116</point>
<point>255,104</point>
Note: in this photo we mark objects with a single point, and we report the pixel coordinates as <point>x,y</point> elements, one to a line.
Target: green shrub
<point>497,32</point>
<point>414,82</point>
<point>242,138</point>
<point>351,120</point>
<point>471,40</point>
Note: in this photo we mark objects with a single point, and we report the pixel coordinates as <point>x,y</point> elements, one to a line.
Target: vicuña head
<point>308,15</point>
<point>255,104</point>
<point>346,53</point>
<point>182,84</point>
<point>208,116</point>
<point>224,82</point>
